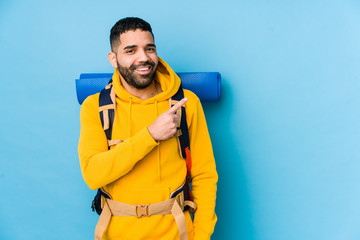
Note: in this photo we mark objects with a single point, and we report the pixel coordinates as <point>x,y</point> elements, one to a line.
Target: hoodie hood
<point>168,79</point>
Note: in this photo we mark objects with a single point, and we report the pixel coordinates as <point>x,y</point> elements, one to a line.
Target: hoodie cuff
<point>148,136</point>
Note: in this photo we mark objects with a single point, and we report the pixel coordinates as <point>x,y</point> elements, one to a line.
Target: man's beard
<point>134,80</point>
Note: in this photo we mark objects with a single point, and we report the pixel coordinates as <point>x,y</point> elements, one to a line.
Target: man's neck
<point>150,91</point>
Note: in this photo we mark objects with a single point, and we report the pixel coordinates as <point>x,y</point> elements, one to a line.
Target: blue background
<point>285,134</point>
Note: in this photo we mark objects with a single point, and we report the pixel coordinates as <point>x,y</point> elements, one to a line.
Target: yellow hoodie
<point>141,171</point>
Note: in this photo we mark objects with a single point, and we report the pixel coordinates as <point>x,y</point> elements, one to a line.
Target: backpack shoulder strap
<point>183,140</point>
<point>183,131</point>
<point>107,105</point>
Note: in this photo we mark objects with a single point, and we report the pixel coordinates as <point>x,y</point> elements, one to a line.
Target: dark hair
<point>124,25</point>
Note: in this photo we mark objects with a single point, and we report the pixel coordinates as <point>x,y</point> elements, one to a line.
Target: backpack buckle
<point>142,210</point>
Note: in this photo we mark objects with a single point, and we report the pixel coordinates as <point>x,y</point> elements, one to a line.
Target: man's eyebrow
<point>129,47</point>
<point>134,46</point>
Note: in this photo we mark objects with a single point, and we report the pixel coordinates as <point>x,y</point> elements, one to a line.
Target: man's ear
<point>112,59</point>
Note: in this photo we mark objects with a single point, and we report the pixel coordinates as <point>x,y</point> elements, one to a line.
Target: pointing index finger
<point>177,105</point>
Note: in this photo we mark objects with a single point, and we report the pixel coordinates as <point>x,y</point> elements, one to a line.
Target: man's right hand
<point>165,125</point>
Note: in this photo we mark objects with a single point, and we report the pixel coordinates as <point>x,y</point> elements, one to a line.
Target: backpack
<point>107,107</point>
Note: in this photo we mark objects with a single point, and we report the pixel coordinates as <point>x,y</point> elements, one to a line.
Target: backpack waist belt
<point>174,206</point>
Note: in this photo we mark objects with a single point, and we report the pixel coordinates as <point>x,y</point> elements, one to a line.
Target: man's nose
<point>143,56</point>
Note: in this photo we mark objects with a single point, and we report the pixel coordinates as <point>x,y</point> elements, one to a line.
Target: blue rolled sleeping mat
<point>206,85</point>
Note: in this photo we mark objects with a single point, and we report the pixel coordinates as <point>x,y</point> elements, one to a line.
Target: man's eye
<point>130,51</point>
<point>151,49</point>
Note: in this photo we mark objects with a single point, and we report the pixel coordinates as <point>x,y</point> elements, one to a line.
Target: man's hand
<point>164,126</point>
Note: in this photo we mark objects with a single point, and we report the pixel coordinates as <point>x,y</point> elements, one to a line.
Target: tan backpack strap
<point>108,86</point>
<point>112,96</point>
<point>114,142</point>
<point>180,220</point>
<point>172,206</point>
<point>103,221</point>
<point>107,104</point>
<point>106,107</point>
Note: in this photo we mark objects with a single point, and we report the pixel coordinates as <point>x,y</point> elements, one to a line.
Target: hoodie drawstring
<point>130,106</point>
<point>159,163</point>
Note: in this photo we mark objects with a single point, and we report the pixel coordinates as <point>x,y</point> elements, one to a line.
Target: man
<point>145,166</point>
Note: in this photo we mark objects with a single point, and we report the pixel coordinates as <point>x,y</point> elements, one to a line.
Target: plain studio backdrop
<point>285,134</point>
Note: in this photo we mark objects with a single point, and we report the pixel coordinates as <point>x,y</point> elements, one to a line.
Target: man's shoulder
<point>191,96</point>
<point>91,103</point>
<point>193,103</point>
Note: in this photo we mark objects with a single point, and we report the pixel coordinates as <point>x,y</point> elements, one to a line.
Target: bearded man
<point>142,174</point>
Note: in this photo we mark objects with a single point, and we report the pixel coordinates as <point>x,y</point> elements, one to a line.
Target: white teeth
<point>143,69</point>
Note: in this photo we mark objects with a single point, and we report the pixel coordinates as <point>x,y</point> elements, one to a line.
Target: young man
<point>144,168</point>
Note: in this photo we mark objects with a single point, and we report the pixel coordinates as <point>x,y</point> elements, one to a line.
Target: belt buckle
<point>142,210</point>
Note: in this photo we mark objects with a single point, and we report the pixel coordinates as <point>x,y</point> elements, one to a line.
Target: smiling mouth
<point>143,70</point>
